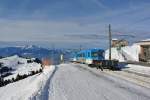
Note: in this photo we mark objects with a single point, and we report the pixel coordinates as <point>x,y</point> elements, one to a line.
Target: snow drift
<point>27,88</point>
<point>128,53</point>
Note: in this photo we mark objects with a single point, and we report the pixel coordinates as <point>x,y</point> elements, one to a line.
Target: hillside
<point>14,65</point>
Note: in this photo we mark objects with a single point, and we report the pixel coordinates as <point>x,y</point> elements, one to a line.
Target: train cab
<point>90,55</point>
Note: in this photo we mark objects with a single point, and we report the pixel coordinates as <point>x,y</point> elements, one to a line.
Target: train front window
<point>95,54</point>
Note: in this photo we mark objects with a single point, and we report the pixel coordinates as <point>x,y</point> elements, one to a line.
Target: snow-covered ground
<point>27,88</point>
<point>73,82</point>
<point>19,66</point>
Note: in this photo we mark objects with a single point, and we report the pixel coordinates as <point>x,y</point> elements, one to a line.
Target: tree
<point>13,80</point>
<point>37,60</point>
<point>40,70</point>
<point>1,64</point>
<point>33,72</point>
<point>29,61</point>
<point>1,82</point>
<point>18,77</point>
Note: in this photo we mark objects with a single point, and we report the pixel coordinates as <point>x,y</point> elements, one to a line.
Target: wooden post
<point>110,40</point>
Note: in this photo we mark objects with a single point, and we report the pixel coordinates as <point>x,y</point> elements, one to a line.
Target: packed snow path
<point>72,82</point>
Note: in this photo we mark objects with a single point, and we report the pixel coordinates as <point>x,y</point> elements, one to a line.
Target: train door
<point>89,58</point>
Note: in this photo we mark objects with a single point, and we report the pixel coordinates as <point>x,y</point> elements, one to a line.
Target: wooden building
<point>119,43</point>
<point>145,50</point>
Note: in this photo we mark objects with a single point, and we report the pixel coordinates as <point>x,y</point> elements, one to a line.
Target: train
<point>95,58</point>
<point>89,56</point>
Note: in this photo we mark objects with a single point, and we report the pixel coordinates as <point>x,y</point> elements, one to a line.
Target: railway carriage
<point>95,58</point>
<point>89,56</point>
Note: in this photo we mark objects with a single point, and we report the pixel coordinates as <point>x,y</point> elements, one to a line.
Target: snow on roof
<point>146,40</point>
<point>115,39</point>
<point>143,42</point>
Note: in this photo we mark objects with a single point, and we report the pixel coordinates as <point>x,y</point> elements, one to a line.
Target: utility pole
<point>110,39</point>
<point>80,47</point>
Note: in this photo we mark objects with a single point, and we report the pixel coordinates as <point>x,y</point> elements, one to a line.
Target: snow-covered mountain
<point>28,51</point>
<point>14,65</point>
<point>32,51</point>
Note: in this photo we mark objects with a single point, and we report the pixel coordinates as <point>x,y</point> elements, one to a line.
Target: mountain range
<point>33,51</point>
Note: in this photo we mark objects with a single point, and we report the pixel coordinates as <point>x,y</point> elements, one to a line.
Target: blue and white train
<point>95,58</point>
<point>89,56</point>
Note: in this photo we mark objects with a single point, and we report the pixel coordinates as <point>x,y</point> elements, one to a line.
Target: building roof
<point>146,40</point>
<point>143,42</point>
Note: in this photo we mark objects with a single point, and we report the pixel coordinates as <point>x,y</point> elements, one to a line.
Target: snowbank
<point>115,55</point>
<point>128,53</point>
<point>27,88</point>
<point>131,52</point>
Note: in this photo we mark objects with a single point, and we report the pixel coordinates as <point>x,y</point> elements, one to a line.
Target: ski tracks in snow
<point>43,93</point>
<point>71,82</point>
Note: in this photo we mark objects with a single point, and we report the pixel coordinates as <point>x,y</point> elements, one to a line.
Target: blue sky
<point>69,23</point>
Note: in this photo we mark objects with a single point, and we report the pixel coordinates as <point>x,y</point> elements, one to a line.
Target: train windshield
<point>97,54</point>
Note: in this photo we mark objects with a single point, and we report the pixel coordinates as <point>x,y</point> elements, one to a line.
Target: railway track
<point>135,78</point>
<point>139,63</point>
<point>132,77</point>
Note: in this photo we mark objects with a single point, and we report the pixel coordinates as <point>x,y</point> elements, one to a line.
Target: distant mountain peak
<point>30,47</point>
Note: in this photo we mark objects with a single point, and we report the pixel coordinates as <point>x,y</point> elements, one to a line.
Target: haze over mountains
<point>32,51</point>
